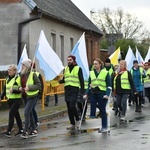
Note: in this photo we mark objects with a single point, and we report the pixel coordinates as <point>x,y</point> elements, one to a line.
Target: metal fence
<point>50,88</point>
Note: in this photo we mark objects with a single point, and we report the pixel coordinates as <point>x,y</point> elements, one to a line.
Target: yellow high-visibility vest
<point>72,78</point>
<point>99,81</point>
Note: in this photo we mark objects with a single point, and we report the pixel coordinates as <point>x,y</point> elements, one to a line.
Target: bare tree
<point>117,22</point>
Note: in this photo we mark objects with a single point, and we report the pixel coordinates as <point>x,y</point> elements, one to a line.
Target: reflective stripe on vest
<point>11,85</point>
<point>124,81</point>
<point>31,82</point>
<point>141,72</point>
<point>72,78</point>
<point>85,85</point>
<point>147,79</point>
<point>37,73</point>
<point>99,81</point>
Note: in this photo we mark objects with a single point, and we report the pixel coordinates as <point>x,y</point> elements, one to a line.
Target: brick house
<point>61,20</point>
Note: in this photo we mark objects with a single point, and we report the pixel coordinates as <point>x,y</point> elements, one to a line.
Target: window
<point>62,47</point>
<point>71,44</point>
<point>53,41</point>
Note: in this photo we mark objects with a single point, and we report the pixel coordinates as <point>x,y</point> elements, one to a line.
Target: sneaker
<point>122,118</point>
<point>102,130</point>
<point>143,105</point>
<point>77,124</point>
<point>7,134</point>
<point>19,133</point>
<point>71,127</point>
<point>37,124</point>
<point>24,135</point>
<point>33,133</point>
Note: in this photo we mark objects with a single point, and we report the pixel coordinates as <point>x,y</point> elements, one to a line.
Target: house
<point>61,20</point>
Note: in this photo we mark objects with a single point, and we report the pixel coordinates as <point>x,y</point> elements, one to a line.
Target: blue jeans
<point>122,103</point>
<point>35,113</point>
<point>48,99</point>
<point>98,98</point>
<point>29,119</point>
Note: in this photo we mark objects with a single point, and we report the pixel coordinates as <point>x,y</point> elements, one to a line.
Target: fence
<point>50,88</point>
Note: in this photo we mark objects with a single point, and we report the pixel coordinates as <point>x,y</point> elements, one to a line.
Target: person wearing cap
<point>108,66</point>
<point>122,85</point>
<point>73,80</point>
<point>138,74</point>
<point>147,79</point>
<point>30,86</point>
<point>13,96</point>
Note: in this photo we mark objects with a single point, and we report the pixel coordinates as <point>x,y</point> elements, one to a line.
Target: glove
<point>136,93</point>
<point>105,96</point>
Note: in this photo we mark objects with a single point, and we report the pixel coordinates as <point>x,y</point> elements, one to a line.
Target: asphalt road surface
<point>52,135</point>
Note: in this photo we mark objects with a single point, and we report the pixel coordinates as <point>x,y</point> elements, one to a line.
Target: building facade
<point>21,22</point>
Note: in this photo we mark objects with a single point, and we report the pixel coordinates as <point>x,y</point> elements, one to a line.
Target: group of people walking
<point>104,79</point>
<point>23,86</point>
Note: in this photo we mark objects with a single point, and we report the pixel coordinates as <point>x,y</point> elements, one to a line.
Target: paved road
<point>134,134</point>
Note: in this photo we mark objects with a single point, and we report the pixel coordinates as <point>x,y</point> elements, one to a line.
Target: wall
<point>10,15</point>
<point>51,26</point>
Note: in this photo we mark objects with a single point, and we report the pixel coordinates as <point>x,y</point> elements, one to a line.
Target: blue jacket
<point>138,78</point>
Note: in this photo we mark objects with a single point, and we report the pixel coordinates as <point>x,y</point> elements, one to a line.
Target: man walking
<point>73,80</point>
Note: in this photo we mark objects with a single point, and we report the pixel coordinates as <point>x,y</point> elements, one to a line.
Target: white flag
<point>129,58</point>
<point>49,61</point>
<point>24,56</point>
<point>148,55</point>
<point>79,51</point>
<point>139,57</point>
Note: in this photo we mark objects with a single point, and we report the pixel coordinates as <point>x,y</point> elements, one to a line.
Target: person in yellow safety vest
<point>109,67</point>
<point>54,83</point>
<point>99,88</point>
<point>147,80</point>
<point>14,100</point>
<point>73,80</point>
<point>30,86</point>
<point>138,74</point>
<point>36,120</point>
<point>122,85</point>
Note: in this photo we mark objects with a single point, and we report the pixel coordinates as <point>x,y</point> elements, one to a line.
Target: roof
<point>68,12</point>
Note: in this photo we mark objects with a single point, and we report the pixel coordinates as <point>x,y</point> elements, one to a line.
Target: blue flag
<point>130,58</point>
<point>49,61</point>
<point>79,51</point>
<point>24,56</point>
<point>139,57</point>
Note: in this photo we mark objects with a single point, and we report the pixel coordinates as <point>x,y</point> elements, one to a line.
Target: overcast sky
<point>138,8</point>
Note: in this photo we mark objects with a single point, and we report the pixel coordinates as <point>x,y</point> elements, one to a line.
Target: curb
<point>45,118</point>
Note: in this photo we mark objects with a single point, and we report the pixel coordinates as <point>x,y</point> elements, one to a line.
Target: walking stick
<point>82,114</point>
<point>108,106</point>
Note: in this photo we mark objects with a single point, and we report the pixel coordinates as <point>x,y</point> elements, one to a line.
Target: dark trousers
<point>139,98</point>
<point>14,106</point>
<point>98,98</point>
<point>147,92</point>
<point>35,113</point>
<point>80,108</point>
<point>28,114</point>
<point>131,97</point>
<point>72,112</point>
